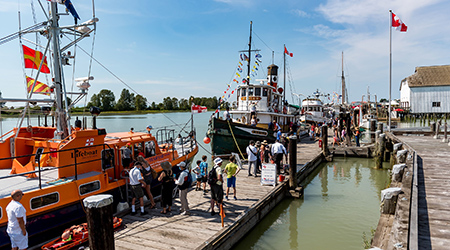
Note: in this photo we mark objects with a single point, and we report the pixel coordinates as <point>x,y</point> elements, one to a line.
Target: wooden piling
<point>99,215</point>
<point>324,135</point>
<point>379,151</point>
<point>373,127</point>
<point>292,162</point>
<point>389,200</point>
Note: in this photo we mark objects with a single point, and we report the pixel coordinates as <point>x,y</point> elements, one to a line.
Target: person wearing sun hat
<point>216,188</point>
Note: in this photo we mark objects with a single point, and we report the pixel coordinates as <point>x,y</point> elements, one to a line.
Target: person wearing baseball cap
<point>183,179</point>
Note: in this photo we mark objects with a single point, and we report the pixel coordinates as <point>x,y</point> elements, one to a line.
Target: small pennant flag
<point>39,88</point>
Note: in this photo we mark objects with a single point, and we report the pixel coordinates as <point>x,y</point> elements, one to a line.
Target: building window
<point>436,104</point>
<point>44,200</point>
<point>89,187</point>
<point>257,91</point>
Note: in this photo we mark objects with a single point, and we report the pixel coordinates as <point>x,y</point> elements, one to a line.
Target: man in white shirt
<point>252,153</point>
<point>137,182</point>
<point>182,179</point>
<point>277,152</point>
<point>17,220</point>
<point>226,114</point>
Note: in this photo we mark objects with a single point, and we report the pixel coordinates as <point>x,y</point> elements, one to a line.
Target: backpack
<point>212,177</point>
<point>187,182</point>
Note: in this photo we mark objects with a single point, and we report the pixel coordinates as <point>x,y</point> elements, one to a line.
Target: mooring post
<point>380,127</point>
<point>379,151</point>
<point>445,130</point>
<point>99,215</point>
<point>373,126</point>
<point>292,162</point>
<point>389,198</point>
<point>324,134</point>
<point>397,172</point>
<point>438,125</point>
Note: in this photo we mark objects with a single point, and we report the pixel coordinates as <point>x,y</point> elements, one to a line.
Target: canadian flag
<point>198,108</point>
<point>398,24</point>
<point>287,52</point>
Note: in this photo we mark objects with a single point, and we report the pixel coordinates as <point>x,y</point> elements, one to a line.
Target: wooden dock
<point>196,231</point>
<point>433,191</point>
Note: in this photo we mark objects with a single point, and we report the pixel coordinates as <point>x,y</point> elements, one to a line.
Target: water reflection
<point>341,201</point>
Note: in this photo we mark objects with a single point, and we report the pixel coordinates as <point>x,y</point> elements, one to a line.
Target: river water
<point>122,123</point>
<point>341,202</point>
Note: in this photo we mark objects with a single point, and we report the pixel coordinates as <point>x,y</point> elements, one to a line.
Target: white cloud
<point>300,13</point>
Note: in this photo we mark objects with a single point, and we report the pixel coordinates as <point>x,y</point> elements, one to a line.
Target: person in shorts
<point>137,182</point>
<point>17,219</point>
<point>217,188</point>
<point>204,172</point>
<point>198,175</point>
<point>231,169</point>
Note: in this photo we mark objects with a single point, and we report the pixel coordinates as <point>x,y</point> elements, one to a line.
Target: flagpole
<point>284,77</point>
<point>390,67</point>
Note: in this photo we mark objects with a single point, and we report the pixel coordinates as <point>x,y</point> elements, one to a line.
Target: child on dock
<point>231,169</point>
<point>198,174</point>
<point>204,172</point>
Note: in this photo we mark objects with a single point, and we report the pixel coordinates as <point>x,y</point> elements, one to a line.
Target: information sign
<point>268,174</point>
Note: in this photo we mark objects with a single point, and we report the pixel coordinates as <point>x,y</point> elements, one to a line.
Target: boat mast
<point>284,76</point>
<point>343,80</point>
<point>61,117</point>
<point>249,55</point>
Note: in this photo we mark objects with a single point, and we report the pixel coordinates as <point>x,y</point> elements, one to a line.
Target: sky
<point>191,47</point>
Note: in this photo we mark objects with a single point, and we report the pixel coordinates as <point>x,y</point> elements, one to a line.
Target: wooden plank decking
<point>174,231</point>
<point>433,191</point>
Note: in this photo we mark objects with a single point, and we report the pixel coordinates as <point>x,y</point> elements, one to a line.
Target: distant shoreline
<point>35,114</point>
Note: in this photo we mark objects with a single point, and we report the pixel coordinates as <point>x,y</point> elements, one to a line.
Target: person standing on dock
<point>215,180</point>
<point>278,150</point>
<point>17,219</point>
<point>252,153</point>
<point>183,186</point>
<point>231,169</point>
<point>204,172</point>
<point>137,182</point>
<point>166,179</point>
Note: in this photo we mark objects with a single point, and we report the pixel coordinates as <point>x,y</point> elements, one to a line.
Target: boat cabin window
<point>250,91</point>
<point>243,92</point>
<point>257,91</point>
<point>150,149</point>
<point>89,187</point>
<point>44,200</point>
<point>264,92</point>
<point>1,212</point>
<point>107,158</point>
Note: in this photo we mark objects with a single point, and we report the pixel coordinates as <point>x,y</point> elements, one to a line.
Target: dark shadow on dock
<point>424,224</point>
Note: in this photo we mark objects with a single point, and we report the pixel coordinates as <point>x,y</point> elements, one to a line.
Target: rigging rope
<point>234,138</point>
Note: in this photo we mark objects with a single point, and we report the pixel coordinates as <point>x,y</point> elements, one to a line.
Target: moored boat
<point>58,166</point>
<point>252,115</point>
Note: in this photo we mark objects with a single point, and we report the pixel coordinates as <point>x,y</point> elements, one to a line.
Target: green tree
<point>167,103</point>
<point>126,101</point>
<point>107,100</point>
<point>175,103</point>
<point>153,106</point>
<point>95,101</point>
<point>140,102</point>
<point>183,104</point>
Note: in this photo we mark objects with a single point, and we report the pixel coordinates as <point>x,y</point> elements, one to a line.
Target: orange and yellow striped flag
<point>39,88</point>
